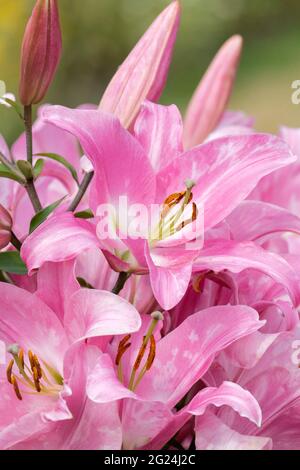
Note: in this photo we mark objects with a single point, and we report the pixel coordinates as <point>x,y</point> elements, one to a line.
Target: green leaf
<point>41,216</point>
<point>38,168</point>
<point>87,214</point>
<point>63,161</point>
<point>16,107</point>
<point>7,173</point>
<point>11,262</point>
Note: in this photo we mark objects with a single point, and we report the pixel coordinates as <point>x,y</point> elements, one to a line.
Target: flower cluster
<point>150,280</point>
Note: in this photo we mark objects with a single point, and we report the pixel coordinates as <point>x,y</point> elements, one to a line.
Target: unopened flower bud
<point>41,50</point>
<point>5,227</point>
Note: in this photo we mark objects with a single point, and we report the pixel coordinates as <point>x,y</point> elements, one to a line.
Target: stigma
<point>27,374</point>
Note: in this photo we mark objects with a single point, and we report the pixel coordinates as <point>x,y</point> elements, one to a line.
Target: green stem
<point>28,131</point>
<point>81,191</point>
<point>123,276</point>
<point>15,241</point>
<point>33,196</point>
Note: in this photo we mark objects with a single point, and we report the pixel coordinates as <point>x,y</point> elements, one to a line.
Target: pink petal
<point>213,434</point>
<point>56,283</point>
<point>222,254</point>
<point>92,313</point>
<point>103,385</point>
<point>143,74</point>
<point>169,283</point>
<point>159,130</point>
<point>230,394</point>
<point>252,220</point>
<point>61,238</point>
<point>29,322</point>
<point>217,166</point>
<point>211,97</point>
<point>121,165</point>
<point>186,353</point>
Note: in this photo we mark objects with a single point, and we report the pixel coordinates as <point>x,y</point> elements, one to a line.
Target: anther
<point>121,352</point>
<point>21,358</point>
<point>9,371</point>
<point>140,355</point>
<point>38,366</point>
<point>16,387</point>
<point>31,359</point>
<point>152,353</point>
<point>36,379</point>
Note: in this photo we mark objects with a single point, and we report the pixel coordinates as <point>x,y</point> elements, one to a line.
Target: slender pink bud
<point>41,50</point>
<point>211,97</point>
<point>5,227</point>
<point>143,74</point>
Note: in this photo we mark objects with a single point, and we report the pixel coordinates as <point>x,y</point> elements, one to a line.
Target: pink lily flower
<point>212,95</point>
<point>274,381</point>
<point>151,374</point>
<point>144,72</point>
<point>123,169</point>
<point>46,362</point>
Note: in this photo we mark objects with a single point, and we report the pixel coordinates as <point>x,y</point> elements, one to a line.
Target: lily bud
<point>143,74</point>
<point>5,227</point>
<point>41,50</point>
<point>212,95</point>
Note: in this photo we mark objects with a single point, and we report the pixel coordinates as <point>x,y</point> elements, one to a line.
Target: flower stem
<point>28,131</point>
<point>15,241</point>
<point>81,191</point>
<point>123,276</point>
<point>33,196</point>
<point>29,186</point>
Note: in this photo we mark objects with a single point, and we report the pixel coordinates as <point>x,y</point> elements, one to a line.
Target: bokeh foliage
<point>99,33</point>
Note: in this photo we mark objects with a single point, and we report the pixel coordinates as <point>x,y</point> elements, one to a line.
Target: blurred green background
<point>98,34</point>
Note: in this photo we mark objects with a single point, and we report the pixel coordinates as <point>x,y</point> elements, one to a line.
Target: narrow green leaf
<point>87,214</point>
<point>63,161</point>
<point>41,216</point>
<point>7,173</point>
<point>15,106</point>
<point>38,167</point>
<point>11,262</point>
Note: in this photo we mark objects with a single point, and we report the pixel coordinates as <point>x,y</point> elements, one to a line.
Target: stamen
<point>156,317</point>
<point>31,359</point>
<point>140,355</point>
<point>36,379</point>
<point>9,371</point>
<point>123,346</point>
<point>38,366</point>
<point>21,358</point>
<point>152,353</point>
<point>16,387</point>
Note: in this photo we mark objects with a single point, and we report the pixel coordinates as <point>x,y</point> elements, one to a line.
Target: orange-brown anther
<point>195,212</point>
<point>140,356</point>
<point>31,359</point>
<point>21,358</point>
<point>171,201</point>
<point>9,371</point>
<point>121,352</point>
<point>123,346</point>
<point>152,353</point>
<point>16,387</point>
<point>38,366</point>
<point>36,379</point>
